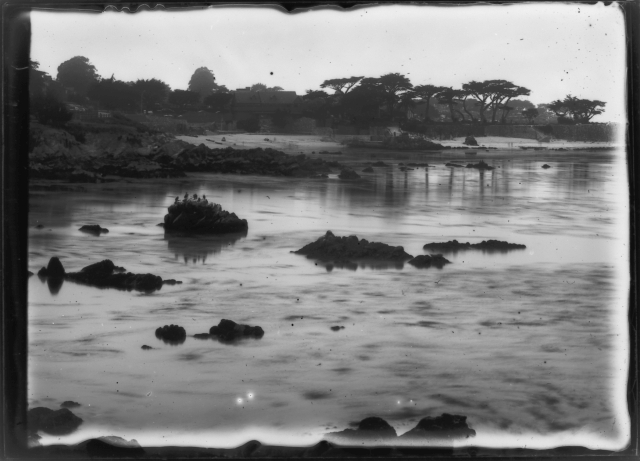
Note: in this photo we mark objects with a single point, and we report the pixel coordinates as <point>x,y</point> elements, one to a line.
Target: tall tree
<point>184,98</point>
<point>481,91</point>
<point>450,98</point>
<point>425,93</point>
<point>341,85</point>
<point>219,100</point>
<point>393,86</point>
<point>202,82</point>
<point>530,113</point>
<point>115,94</point>
<point>77,73</point>
<point>500,93</point>
<point>580,110</point>
<point>258,87</point>
<point>152,92</point>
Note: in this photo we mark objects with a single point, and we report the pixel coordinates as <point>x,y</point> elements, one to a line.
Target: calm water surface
<point>531,344</point>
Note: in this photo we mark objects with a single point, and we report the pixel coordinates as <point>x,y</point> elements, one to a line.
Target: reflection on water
<point>196,248</point>
<point>525,343</point>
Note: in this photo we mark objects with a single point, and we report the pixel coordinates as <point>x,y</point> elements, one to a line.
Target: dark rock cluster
<point>171,334</point>
<point>426,261</point>
<point>348,174</point>
<point>456,165</point>
<point>332,248</point>
<point>55,422</point>
<point>445,426</point>
<point>228,330</point>
<point>374,430</point>
<point>247,161</point>
<point>194,214</point>
<point>94,229</point>
<point>470,141</point>
<point>485,245</point>
<point>104,274</point>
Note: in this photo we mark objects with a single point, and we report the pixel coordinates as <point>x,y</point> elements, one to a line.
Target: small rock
<point>145,347</point>
<point>368,170</point>
<point>445,426</point>
<point>69,404</point>
<point>228,330</point>
<point>545,166</point>
<point>171,282</point>
<point>337,328</point>
<point>58,422</point>
<point>54,269</point>
<point>94,229</point>
<point>171,334</point>
<point>470,141</point>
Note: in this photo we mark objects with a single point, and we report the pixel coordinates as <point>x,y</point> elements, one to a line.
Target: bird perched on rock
<point>186,195</point>
<point>195,196</point>
<point>176,200</point>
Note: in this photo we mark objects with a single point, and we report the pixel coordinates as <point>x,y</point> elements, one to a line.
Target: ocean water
<point>531,345</point>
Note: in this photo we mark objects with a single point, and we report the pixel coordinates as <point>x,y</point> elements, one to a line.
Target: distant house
<point>249,104</point>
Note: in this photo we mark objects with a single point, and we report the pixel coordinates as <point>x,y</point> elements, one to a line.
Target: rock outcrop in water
<point>104,274</point>
<point>426,261</point>
<point>545,166</point>
<point>455,165</point>
<point>113,447</point>
<point>54,422</point>
<point>94,229</point>
<point>171,334</point>
<point>470,141</point>
<point>193,214</point>
<point>485,245</point>
<point>229,331</point>
<point>441,427</point>
<point>332,248</point>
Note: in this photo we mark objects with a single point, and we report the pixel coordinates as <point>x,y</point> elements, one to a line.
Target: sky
<point>552,49</point>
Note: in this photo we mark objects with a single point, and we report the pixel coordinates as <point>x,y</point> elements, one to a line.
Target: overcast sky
<point>552,49</point>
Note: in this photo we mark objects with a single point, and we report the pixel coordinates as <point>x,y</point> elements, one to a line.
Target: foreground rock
<point>104,274</point>
<point>229,331</point>
<point>426,261</point>
<point>443,427</point>
<point>332,248</point>
<point>54,422</point>
<point>171,334</point>
<point>370,430</point>
<point>375,430</point>
<point>470,141</point>
<point>94,229</point>
<point>193,214</point>
<point>485,245</point>
<point>113,447</point>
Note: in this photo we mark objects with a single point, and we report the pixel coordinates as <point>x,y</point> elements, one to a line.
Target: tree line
<point>356,100</point>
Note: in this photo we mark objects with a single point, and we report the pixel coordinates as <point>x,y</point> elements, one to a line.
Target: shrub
<point>251,125</point>
<point>48,110</point>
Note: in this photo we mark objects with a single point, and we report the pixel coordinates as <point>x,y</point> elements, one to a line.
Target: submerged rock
<point>104,274</point>
<point>329,247</point>
<point>371,430</point>
<point>485,245</point>
<point>171,334</point>
<point>69,404</point>
<point>426,261</point>
<point>228,330</point>
<point>368,170</point>
<point>445,426</point>
<point>199,215</point>
<point>480,166</point>
<point>379,163</point>
<point>94,229</point>
<point>55,422</point>
<point>348,174</point>
<point>470,141</point>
